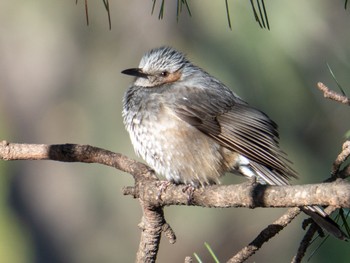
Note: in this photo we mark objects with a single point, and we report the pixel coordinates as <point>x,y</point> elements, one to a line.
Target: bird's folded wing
<point>238,127</point>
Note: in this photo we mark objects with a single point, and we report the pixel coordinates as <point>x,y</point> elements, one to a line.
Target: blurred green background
<point>61,83</point>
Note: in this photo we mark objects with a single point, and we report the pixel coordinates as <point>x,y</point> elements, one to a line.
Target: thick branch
<point>75,153</point>
<point>250,195</point>
<point>242,195</point>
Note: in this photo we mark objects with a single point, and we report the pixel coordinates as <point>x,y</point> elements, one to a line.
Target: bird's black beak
<point>137,72</point>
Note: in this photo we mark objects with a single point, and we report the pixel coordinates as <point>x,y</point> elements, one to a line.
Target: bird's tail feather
<point>326,223</point>
<point>270,177</point>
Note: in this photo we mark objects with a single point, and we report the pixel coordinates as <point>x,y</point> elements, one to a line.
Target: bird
<point>192,129</point>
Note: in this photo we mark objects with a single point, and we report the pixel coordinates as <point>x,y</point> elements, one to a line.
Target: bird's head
<point>159,66</point>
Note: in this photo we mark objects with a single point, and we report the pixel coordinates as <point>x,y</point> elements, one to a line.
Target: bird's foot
<point>252,181</point>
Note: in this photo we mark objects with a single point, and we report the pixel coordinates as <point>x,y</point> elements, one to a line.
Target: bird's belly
<point>178,150</point>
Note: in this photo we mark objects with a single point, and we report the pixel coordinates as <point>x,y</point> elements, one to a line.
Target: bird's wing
<point>238,127</point>
<point>248,131</point>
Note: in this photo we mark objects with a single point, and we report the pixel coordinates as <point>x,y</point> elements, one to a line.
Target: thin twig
<point>265,235</point>
<point>307,239</point>
<point>341,158</point>
<point>305,243</point>
<point>330,94</point>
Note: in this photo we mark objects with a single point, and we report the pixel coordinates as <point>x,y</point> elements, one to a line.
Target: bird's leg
<point>253,179</point>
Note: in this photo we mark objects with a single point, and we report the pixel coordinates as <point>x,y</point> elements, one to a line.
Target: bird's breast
<point>172,147</point>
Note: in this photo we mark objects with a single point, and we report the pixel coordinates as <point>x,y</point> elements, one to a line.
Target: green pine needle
<point>178,8</point>
<point>228,15</point>
<point>211,252</point>
<point>161,11</point>
<point>197,257</point>
<point>344,218</point>
<point>336,219</point>
<point>263,14</point>
<point>188,7</point>
<point>335,79</point>
<point>255,14</point>
<point>318,247</point>
<point>153,6</point>
<point>260,13</point>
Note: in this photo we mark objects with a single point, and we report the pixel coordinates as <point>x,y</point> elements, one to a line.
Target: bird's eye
<point>164,73</point>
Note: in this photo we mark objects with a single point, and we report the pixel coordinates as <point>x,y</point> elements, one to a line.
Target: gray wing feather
<point>248,131</point>
<point>238,127</point>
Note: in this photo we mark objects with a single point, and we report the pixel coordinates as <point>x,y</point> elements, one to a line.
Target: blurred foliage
<point>336,81</point>
<point>260,17</point>
<point>15,243</point>
<point>106,5</point>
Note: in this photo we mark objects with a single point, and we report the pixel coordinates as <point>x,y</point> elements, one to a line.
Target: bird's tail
<point>325,222</point>
<point>267,176</point>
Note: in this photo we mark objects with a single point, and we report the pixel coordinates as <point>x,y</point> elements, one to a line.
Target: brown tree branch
<point>248,194</point>
<point>336,173</point>
<point>341,158</point>
<point>282,222</point>
<point>265,235</point>
<point>75,153</point>
<point>152,225</point>
<point>305,243</point>
<point>249,250</point>
<point>153,197</point>
<point>307,239</point>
